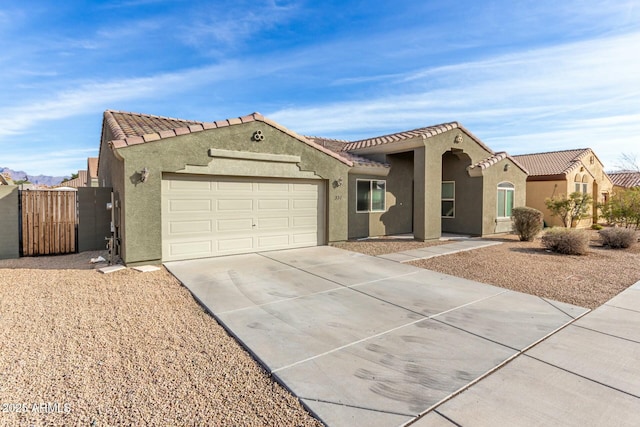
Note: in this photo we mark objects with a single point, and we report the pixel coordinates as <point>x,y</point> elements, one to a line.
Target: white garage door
<point>204,217</point>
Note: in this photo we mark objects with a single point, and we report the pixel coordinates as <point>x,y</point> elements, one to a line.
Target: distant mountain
<point>49,181</point>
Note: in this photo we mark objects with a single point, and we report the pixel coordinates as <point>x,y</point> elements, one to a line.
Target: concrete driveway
<point>363,340</point>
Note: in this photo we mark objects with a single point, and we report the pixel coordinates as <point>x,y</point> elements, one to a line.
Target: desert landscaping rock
<point>123,349</point>
<point>587,281</point>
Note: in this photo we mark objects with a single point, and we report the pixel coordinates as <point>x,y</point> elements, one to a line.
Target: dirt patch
<point>385,245</point>
<point>588,281</point>
<point>83,348</point>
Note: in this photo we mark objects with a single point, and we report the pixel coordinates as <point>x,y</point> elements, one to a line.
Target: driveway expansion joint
<point>582,376</point>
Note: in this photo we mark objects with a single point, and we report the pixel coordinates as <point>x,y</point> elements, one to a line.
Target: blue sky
<point>525,76</point>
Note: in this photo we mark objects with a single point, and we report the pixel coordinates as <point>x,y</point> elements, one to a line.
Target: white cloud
<point>225,26</point>
<point>569,90</point>
<point>96,96</point>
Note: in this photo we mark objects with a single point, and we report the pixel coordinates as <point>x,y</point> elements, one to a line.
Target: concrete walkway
<point>362,340</point>
<point>439,250</point>
<point>587,374</point>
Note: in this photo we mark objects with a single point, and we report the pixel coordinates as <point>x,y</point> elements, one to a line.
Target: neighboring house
<point>186,189</point>
<point>623,180</point>
<point>92,172</point>
<point>560,173</point>
<point>80,181</point>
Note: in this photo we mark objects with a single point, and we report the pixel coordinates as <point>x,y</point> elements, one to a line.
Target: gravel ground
<point>126,348</point>
<point>588,281</point>
<point>385,245</point>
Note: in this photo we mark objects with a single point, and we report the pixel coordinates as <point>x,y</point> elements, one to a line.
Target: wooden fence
<point>49,222</point>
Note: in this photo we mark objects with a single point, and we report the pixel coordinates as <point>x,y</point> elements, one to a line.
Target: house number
<point>337,198</point>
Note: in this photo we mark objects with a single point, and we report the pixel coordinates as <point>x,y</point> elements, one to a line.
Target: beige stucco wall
<point>141,225</point>
<point>539,191</point>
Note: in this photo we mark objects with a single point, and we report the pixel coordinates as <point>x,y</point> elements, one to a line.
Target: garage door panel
<point>311,204</point>
<point>190,248</point>
<point>205,216</point>
<point>269,205</point>
<point>304,221</point>
<point>180,185</point>
<point>190,205</point>
<point>304,238</point>
<point>275,241</point>
<point>280,187</point>
<point>232,187</point>
<point>235,205</point>
<point>270,223</point>
<point>235,245</point>
<point>236,225</point>
<point>189,227</point>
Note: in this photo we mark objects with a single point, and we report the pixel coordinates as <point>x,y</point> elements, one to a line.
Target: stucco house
<point>186,189</point>
<point>558,173</point>
<point>92,172</point>
<point>623,180</point>
<point>79,181</point>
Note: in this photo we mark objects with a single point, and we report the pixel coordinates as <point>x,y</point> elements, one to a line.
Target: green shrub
<point>617,238</point>
<point>570,209</point>
<point>623,208</point>
<point>527,222</point>
<point>566,241</point>
<point>596,227</point>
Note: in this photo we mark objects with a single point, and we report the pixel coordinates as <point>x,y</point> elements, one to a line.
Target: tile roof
<point>553,162</point>
<point>626,179</point>
<point>424,132</point>
<point>401,136</point>
<point>494,159</point>
<point>134,128</point>
<point>337,146</point>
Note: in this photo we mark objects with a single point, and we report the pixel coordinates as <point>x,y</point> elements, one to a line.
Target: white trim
<point>370,209</point>
<point>504,189</point>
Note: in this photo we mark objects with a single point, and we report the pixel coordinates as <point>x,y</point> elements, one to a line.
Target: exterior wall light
<point>144,174</point>
<point>506,167</point>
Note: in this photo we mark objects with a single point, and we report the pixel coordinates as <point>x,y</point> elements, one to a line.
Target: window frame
<point>451,199</point>
<point>504,187</point>
<point>369,195</point>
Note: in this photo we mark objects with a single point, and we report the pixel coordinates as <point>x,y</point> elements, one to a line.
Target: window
<point>505,199</point>
<point>370,195</point>
<point>577,182</point>
<point>449,199</point>
<point>581,184</point>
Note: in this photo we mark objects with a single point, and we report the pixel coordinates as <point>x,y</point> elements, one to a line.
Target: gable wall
<point>493,176</point>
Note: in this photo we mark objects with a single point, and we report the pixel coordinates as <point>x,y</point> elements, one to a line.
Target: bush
<point>623,208</point>
<point>617,238</point>
<point>527,222</point>
<point>566,241</point>
<point>570,209</point>
<point>596,227</point>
